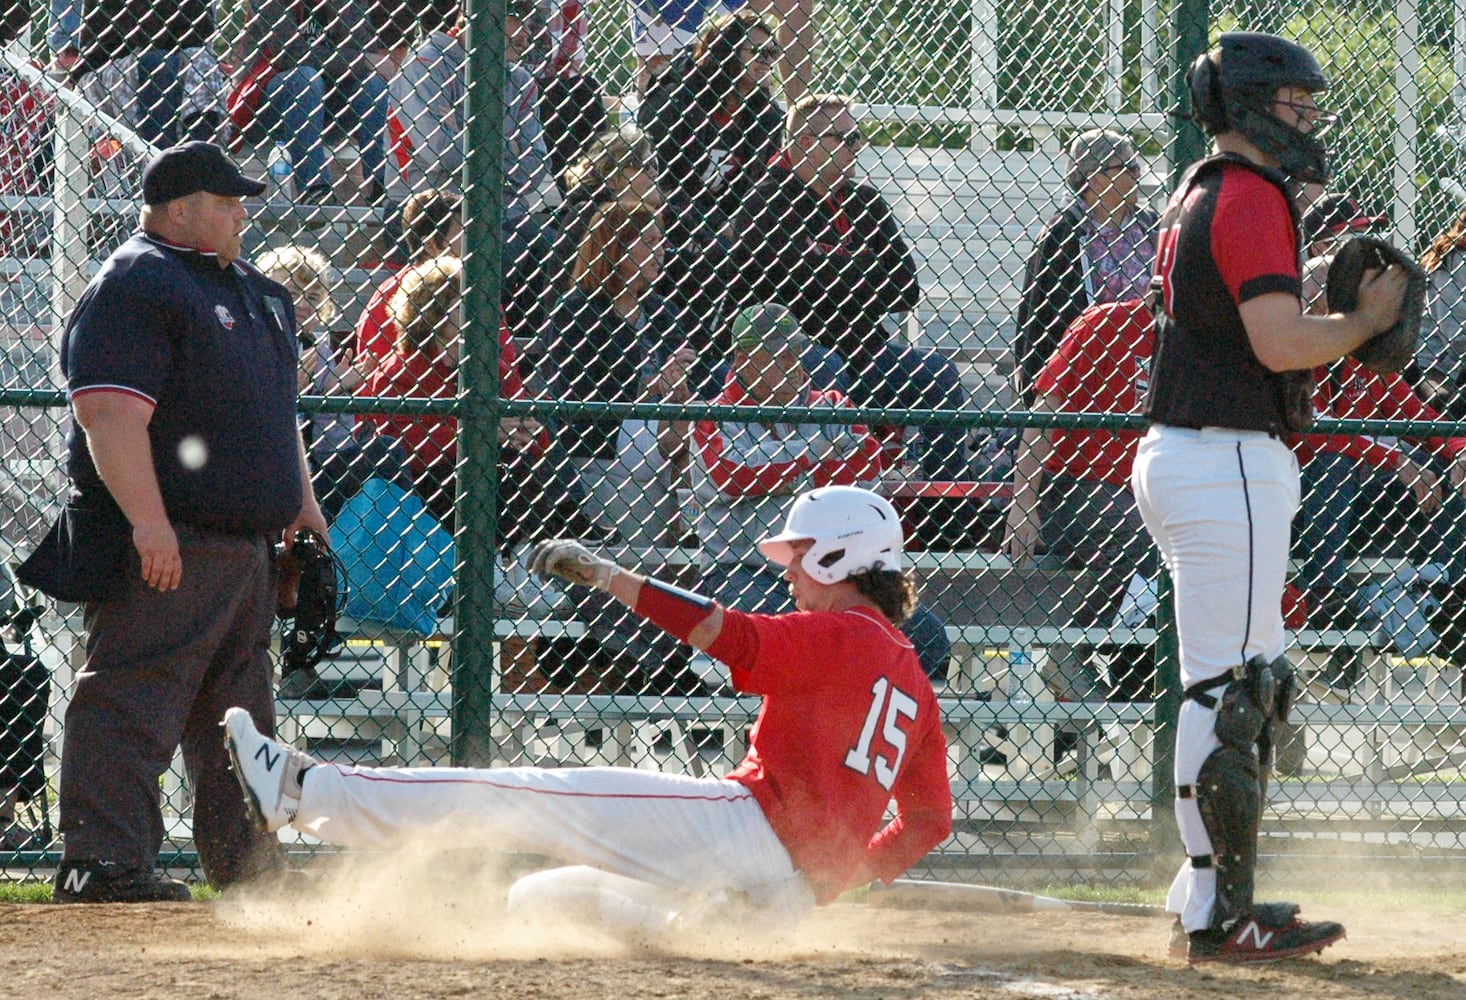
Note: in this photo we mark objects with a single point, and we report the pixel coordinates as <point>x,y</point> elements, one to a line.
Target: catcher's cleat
<point>109,882</point>
<point>1261,937</point>
<point>1180,944</point>
<point>269,773</point>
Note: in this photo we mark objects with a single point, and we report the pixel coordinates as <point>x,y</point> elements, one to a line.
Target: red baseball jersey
<point>1349,391</point>
<point>1101,366</point>
<point>848,723</point>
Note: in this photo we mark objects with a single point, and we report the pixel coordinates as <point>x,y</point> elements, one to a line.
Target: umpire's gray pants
<point>161,668</point>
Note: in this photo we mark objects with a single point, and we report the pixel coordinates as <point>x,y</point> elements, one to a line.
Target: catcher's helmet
<point>853,530</point>
<point>1233,87</point>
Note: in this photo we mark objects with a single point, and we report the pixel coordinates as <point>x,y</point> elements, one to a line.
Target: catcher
<point>1214,478</point>
<point>848,723</point>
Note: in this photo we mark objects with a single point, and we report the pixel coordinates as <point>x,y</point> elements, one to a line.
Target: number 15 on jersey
<point>890,704</point>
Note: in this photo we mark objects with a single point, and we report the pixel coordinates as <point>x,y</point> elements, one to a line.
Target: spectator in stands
<point>432,226</point>
<point>614,339</point>
<point>1071,491</point>
<point>813,239</point>
<point>571,107</point>
<point>661,29</point>
<point>63,35</point>
<point>1331,218</point>
<point>151,66</point>
<point>711,117</point>
<point>343,452</point>
<point>1099,248</point>
<point>308,277</point>
<point>430,97</point>
<point>398,24</point>
<point>1366,495</point>
<point>329,77</point>
<point>619,165</point>
<point>534,497</point>
<point>25,145</point>
<point>744,471</point>
<point>1440,360</point>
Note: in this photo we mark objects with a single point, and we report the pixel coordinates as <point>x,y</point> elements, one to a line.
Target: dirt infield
<point>369,946</point>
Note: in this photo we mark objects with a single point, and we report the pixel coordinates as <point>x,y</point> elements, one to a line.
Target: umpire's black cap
<point>180,171</point>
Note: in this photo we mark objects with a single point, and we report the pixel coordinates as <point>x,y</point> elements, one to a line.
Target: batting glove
<point>566,559</point>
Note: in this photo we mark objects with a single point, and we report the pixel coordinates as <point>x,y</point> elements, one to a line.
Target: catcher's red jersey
<point>849,721</point>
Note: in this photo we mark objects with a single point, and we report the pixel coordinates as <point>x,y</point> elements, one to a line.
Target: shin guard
<point>1228,798</point>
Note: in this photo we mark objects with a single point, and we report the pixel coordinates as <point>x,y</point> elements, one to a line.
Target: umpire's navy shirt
<point>213,349</point>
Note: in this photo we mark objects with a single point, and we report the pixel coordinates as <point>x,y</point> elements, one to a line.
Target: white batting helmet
<point>853,530</point>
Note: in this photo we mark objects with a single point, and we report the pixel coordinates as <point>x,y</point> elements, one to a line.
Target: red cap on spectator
<point>1337,213</point>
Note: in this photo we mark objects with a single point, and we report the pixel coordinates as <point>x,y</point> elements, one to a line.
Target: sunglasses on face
<point>852,138</point>
<point>763,53</point>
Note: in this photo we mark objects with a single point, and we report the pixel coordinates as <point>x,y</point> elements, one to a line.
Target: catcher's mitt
<point>319,599</point>
<point>1391,350</point>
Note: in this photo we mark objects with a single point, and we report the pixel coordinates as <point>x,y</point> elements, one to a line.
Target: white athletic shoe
<point>269,773</point>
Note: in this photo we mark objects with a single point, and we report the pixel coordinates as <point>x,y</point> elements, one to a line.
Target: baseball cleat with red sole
<point>1250,941</point>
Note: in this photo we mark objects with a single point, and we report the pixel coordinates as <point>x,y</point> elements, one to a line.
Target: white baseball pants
<point>683,836</point>
<point>1219,504</point>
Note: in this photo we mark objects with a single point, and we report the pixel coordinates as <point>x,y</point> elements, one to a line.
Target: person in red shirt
<point>743,471</point>
<point>536,498</point>
<point>1071,488</point>
<point>1363,494</point>
<point>848,723</point>
<point>432,226</point>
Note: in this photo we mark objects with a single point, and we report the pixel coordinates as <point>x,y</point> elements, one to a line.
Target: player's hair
<point>717,53</point>
<point>425,301</point>
<point>304,268</point>
<point>428,215</point>
<point>612,228</point>
<point>810,105</point>
<point>892,591</point>
<point>610,155</point>
<point>1450,240</point>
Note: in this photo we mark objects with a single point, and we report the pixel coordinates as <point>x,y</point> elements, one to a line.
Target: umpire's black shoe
<point>109,882</point>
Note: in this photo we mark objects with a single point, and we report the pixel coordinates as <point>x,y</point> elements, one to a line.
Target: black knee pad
<point>1228,797</point>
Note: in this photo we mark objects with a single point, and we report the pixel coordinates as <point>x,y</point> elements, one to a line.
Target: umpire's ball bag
<point>25,689</point>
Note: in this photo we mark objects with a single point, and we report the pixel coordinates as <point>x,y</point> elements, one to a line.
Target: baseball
<point>192,452</point>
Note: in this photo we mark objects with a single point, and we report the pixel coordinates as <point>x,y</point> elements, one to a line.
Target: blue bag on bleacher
<point>398,559</point>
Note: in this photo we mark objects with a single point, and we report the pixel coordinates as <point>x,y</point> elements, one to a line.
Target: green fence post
<point>478,387</point>
<point>1189,24</point>
<point>1164,836</point>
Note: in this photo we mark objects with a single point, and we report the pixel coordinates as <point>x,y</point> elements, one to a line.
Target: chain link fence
<point>554,299</point>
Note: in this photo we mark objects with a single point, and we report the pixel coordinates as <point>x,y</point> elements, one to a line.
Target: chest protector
<point>1185,390</point>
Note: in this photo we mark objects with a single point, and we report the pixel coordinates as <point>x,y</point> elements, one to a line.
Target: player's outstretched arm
<point>696,620</point>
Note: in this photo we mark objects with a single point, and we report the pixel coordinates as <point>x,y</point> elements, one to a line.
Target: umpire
<point>180,361</point>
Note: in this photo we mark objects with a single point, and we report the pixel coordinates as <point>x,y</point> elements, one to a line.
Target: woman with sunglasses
<point>711,117</point>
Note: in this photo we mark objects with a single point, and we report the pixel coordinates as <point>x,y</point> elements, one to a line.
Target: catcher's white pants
<point>1219,504</point>
<point>688,837</point>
